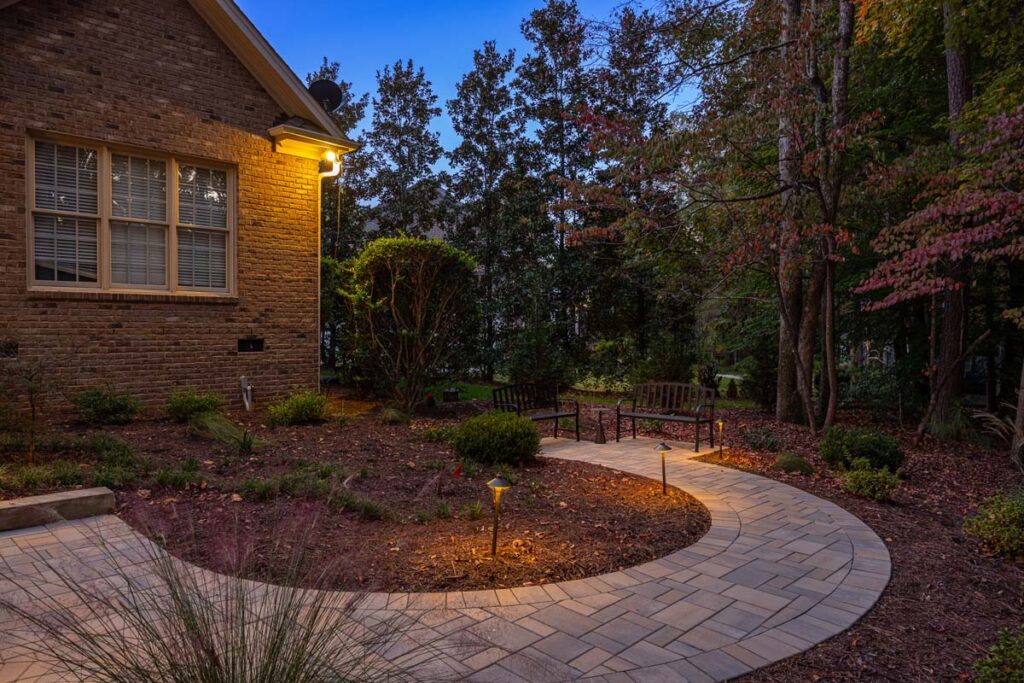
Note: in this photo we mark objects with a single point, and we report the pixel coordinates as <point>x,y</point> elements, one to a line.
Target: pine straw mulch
<point>947,599</point>
<point>562,520</point>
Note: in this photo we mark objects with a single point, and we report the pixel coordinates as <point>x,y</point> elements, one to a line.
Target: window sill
<point>70,294</point>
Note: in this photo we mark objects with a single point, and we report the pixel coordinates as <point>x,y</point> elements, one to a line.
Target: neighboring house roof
<point>252,49</point>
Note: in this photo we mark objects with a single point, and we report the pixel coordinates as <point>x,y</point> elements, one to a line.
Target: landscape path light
<point>721,428</point>
<point>663,448</point>
<point>498,486</point>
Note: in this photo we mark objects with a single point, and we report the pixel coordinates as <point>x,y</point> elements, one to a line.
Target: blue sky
<point>439,35</point>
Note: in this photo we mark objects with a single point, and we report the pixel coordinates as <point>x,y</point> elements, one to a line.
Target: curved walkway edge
<point>779,571</point>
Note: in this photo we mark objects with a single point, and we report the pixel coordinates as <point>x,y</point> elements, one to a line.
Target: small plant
<point>840,447</point>
<point>442,510</point>
<point>260,489</point>
<point>67,473</point>
<point>186,403</point>
<point>218,427</point>
<point>999,523</point>
<point>760,439</point>
<point>861,479</point>
<point>342,420</point>
<point>508,475</point>
<point>393,416</point>
<point>497,437</point>
<point>469,468</point>
<point>794,464</point>
<point>1005,660</point>
<point>567,423</point>
<point>473,510</point>
<point>180,477</point>
<point>343,499</point>
<point>117,466</point>
<point>106,406</point>
<point>438,434</point>
<point>303,407</point>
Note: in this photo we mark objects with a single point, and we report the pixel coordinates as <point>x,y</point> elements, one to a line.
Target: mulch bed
<point>562,520</point>
<point>947,599</point>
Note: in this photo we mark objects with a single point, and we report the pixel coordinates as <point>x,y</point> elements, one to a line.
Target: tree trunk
<point>1017,447</point>
<point>787,403</point>
<point>954,318</point>
<point>830,345</point>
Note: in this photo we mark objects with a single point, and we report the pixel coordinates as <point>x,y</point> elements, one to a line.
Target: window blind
<point>202,258</point>
<point>138,254</point>
<point>138,187</point>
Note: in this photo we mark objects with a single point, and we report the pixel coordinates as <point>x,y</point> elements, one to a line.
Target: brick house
<point>159,199</point>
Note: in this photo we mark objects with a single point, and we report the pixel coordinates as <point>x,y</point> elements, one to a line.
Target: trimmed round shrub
<point>793,463</point>
<point>106,406</point>
<point>497,437</point>
<point>760,439</point>
<point>999,523</point>
<point>303,407</point>
<point>186,403</point>
<point>1005,660</point>
<point>867,482</point>
<point>840,447</point>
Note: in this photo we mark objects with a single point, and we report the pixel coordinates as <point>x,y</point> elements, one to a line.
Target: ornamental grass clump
<point>160,620</point>
<point>303,407</point>
<point>999,523</point>
<point>1005,660</point>
<point>497,437</point>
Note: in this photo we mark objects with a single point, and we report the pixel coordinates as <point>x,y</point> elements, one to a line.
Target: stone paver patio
<point>779,571</point>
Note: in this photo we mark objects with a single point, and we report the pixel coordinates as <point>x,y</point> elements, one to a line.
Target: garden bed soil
<point>561,521</point>
<point>947,599</point>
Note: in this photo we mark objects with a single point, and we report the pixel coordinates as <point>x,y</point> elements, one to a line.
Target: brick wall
<point>152,74</point>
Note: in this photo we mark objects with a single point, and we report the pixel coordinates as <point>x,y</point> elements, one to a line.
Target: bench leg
<point>696,437</point>
<point>634,427</point>
<point>711,433</point>
<point>556,427</point>
<point>618,426</point>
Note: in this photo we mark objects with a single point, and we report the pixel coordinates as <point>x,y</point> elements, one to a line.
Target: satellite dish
<point>326,93</point>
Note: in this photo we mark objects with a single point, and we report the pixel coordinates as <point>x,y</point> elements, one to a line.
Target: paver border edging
<point>30,511</point>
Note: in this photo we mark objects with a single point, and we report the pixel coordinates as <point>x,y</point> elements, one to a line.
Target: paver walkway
<point>779,571</point>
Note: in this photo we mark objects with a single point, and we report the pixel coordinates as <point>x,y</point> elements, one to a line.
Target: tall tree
<point>403,150</point>
<point>555,86</point>
<point>484,115</point>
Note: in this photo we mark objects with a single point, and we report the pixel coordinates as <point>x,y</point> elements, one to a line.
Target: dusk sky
<point>365,35</point>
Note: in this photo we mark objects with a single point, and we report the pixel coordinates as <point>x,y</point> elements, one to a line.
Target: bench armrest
<point>561,400</point>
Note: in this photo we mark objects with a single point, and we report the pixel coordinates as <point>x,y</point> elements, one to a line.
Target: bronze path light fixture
<point>498,486</point>
<point>663,448</point>
<point>721,428</point>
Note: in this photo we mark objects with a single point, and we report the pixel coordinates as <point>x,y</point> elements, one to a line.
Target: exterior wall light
<point>498,486</point>
<point>721,428</point>
<point>330,165</point>
<point>663,448</point>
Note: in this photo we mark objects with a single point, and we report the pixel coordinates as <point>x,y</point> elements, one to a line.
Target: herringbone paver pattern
<point>779,571</point>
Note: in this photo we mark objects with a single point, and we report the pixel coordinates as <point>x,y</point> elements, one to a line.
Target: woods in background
<point>822,197</point>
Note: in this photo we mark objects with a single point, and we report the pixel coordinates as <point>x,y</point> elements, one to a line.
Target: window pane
<point>138,254</point>
<point>202,197</point>
<point>65,249</point>
<point>202,259</point>
<point>65,178</point>
<point>138,187</point>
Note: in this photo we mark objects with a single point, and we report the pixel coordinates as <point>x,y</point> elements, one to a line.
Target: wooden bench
<point>537,402</point>
<point>670,402</point>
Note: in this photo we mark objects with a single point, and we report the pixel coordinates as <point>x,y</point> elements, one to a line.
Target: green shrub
<point>999,523</point>
<point>497,437</point>
<point>186,403</point>
<point>25,478</point>
<point>793,463</point>
<point>117,465</point>
<point>105,406</point>
<point>303,407</point>
<point>442,510</point>
<point>393,416</point>
<point>343,499</point>
<point>1005,660</point>
<point>760,439</point>
<point>221,428</point>
<point>439,434</point>
<point>260,489</point>
<point>861,479</point>
<point>177,478</point>
<point>67,473</point>
<point>840,447</point>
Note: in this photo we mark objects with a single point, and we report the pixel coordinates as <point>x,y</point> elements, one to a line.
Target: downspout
<point>330,167</point>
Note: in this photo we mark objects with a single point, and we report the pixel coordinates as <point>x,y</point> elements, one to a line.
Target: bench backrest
<point>525,396</point>
<point>673,398</point>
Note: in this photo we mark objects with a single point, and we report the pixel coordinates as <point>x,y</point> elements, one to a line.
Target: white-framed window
<point>114,219</point>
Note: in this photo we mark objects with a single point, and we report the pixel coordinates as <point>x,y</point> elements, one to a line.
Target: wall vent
<point>250,345</point>
<point>8,349</point>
